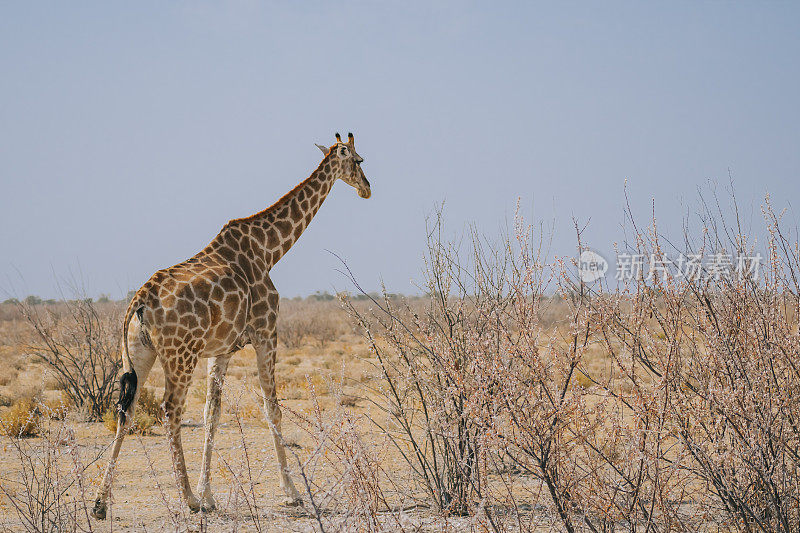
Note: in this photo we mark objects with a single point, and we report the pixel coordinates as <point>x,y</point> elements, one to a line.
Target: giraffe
<point>213,304</point>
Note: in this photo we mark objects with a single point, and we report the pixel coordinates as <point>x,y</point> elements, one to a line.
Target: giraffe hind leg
<point>142,357</point>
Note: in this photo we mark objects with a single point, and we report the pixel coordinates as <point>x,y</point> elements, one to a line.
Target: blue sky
<point>131,132</point>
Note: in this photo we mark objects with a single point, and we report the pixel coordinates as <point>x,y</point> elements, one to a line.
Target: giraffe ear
<point>324,149</point>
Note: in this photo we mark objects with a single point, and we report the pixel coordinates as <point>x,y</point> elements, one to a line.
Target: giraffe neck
<point>290,216</point>
<point>266,236</point>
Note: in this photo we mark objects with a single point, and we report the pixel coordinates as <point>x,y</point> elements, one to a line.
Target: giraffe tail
<point>128,380</point>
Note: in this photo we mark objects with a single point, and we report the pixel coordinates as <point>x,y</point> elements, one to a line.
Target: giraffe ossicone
<point>209,306</point>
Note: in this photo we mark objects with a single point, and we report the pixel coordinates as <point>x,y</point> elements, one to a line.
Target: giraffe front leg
<point>217,366</point>
<point>174,398</point>
<point>265,354</point>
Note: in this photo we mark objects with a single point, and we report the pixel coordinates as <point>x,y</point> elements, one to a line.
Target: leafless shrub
<point>711,361</point>
<point>317,321</point>
<point>80,344</point>
<point>689,421</point>
<point>343,470</point>
<point>433,388</point>
<point>48,492</point>
<point>292,330</point>
<point>324,330</point>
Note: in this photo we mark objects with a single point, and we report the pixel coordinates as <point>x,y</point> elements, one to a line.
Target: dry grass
<point>148,414</point>
<point>21,419</point>
<point>24,416</point>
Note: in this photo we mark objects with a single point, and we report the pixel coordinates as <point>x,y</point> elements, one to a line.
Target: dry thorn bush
<point>79,341</point>
<point>49,490</point>
<point>320,322</point>
<point>666,404</point>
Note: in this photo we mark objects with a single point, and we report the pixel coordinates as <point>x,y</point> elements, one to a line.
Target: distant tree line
<point>318,296</point>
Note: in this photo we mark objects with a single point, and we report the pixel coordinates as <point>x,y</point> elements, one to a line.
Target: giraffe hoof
<point>193,502</point>
<point>99,510</point>
<point>208,504</point>
<point>292,501</point>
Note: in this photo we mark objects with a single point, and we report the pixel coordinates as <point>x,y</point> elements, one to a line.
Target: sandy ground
<point>244,470</point>
<point>145,496</point>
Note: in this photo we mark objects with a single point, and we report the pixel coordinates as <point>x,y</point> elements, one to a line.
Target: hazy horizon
<point>130,133</point>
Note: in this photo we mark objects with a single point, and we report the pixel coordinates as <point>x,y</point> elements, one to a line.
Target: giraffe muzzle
<point>364,191</point>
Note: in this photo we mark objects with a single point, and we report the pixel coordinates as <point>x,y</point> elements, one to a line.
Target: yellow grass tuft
<point>148,413</point>
<point>22,420</point>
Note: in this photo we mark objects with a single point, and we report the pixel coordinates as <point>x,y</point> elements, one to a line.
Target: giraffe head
<point>346,164</point>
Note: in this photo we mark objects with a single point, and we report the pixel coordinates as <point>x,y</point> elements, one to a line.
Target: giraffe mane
<point>280,202</point>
